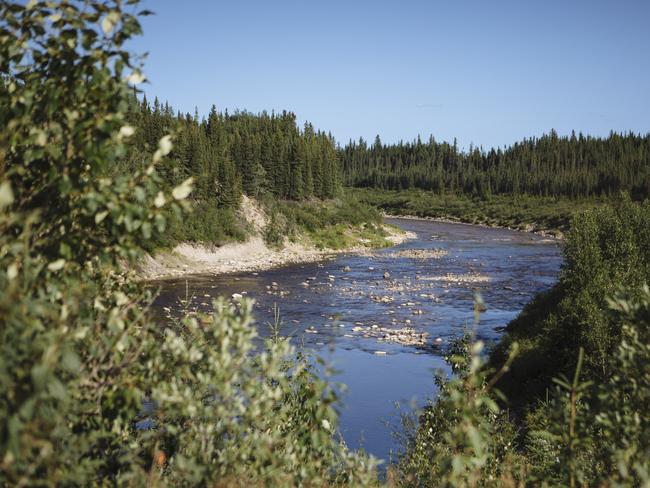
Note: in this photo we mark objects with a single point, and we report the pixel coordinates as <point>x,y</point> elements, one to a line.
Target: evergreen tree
<point>230,154</point>
<point>572,166</point>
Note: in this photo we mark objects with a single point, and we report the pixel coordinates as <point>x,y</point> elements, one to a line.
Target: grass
<point>341,236</point>
<point>327,224</point>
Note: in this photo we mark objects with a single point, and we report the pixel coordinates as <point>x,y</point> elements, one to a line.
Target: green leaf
<point>183,190</point>
<point>160,200</point>
<point>6,194</point>
<point>99,217</point>
<point>56,265</point>
<point>109,22</point>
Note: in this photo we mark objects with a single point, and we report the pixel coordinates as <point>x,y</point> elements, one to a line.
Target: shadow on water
<point>330,308</point>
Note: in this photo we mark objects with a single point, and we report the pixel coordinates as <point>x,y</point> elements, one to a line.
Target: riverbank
<point>255,254</point>
<point>252,255</point>
<point>529,228</point>
<point>548,216</point>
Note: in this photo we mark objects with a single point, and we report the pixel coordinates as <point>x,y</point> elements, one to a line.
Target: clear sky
<point>488,72</point>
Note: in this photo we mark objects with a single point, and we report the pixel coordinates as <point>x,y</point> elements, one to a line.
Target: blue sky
<point>488,72</point>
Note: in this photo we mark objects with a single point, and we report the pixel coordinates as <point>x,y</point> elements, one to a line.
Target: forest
<point>265,156</point>
<point>96,391</point>
<point>571,166</point>
<point>228,154</point>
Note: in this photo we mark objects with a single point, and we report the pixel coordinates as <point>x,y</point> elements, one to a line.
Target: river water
<point>330,308</point>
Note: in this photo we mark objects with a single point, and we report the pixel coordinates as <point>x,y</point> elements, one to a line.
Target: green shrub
<point>275,230</point>
<point>597,434</point>
<point>204,223</point>
<point>462,438</point>
<point>522,212</point>
<point>584,433</point>
<point>224,413</point>
<point>606,249</point>
<point>80,355</point>
<point>330,224</point>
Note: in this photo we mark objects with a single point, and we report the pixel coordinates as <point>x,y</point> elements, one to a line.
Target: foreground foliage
<point>584,434</point>
<point>93,391</point>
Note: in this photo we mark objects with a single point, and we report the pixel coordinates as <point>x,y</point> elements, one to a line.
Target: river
<point>343,308</point>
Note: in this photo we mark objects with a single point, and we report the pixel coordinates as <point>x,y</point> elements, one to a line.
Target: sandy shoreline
<point>252,255</point>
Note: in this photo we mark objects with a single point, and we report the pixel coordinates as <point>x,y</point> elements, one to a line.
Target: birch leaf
<point>182,191</point>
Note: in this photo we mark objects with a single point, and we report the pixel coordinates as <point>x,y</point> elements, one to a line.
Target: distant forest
<point>228,154</point>
<point>572,166</point>
<point>269,154</point>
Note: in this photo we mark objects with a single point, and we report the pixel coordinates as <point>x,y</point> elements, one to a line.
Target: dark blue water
<point>431,296</point>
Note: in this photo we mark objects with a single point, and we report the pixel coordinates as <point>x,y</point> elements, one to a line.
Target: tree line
<point>228,154</point>
<point>551,165</point>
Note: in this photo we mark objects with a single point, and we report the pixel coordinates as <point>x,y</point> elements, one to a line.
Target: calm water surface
<point>434,296</point>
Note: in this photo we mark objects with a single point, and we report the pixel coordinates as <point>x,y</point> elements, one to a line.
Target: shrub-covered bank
<point>521,212</point>
<point>335,224</point>
<point>606,251</point>
<point>581,433</point>
<point>564,397</point>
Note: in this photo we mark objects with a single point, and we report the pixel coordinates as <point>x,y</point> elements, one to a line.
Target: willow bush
<point>585,434</point>
<point>606,250</point>
<point>93,391</point>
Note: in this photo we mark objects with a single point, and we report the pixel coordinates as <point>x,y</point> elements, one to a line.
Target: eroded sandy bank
<point>252,255</point>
